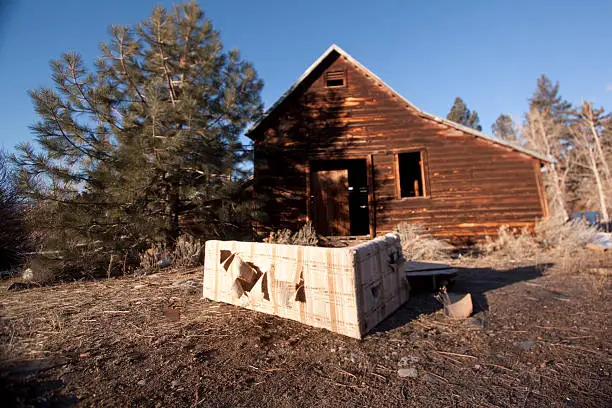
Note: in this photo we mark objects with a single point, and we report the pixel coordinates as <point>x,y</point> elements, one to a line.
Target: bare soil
<point>539,338</point>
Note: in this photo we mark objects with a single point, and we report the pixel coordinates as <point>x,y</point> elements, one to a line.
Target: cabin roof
<point>341,52</point>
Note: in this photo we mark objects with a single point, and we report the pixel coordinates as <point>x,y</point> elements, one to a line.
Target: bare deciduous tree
<point>545,134</point>
<point>590,154</point>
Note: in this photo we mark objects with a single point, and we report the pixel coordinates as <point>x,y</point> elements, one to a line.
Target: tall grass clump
<point>418,245</point>
<point>306,236</point>
<point>551,239</point>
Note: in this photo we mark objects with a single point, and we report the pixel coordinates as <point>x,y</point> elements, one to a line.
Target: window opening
<point>411,174</point>
<point>335,79</point>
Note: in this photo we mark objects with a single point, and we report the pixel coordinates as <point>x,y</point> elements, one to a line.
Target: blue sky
<point>488,52</point>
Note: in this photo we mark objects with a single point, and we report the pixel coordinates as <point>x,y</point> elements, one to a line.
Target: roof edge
<point>424,114</point>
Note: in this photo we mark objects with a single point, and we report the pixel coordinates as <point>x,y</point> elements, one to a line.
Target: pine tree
<point>504,128</point>
<point>460,113</point>
<point>148,137</point>
<point>13,234</point>
<point>546,98</point>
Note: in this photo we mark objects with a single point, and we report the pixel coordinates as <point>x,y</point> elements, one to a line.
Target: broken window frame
<point>424,175</point>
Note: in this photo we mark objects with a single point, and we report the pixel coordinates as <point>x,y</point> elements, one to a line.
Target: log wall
<point>473,185</point>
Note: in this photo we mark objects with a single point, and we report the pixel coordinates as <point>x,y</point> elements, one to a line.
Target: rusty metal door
<point>330,195</point>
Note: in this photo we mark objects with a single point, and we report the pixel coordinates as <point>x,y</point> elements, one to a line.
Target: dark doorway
<point>339,197</point>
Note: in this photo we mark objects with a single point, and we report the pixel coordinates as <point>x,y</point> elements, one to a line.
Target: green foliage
<point>546,98</point>
<point>146,141</point>
<point>460,113</point>
<point>14,238</point>
<point>505,129</point>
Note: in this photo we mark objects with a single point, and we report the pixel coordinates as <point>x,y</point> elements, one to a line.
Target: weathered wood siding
<point>473,185</point>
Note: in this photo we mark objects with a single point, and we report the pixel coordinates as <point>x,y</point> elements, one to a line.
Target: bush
<point>510,243</point>
<point>552,238</point>
<point>418,245</point>
<point>187,252</point>
<point>306,236</point>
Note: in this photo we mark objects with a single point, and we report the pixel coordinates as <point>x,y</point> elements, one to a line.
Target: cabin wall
<point>473,185</point>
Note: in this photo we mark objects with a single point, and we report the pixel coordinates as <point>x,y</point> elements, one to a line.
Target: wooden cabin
<point>345,151</point>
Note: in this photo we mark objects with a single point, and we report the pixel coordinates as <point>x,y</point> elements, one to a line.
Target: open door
<point>330,193</point>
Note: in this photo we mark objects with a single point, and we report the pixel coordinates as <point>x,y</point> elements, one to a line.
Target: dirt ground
<point>539,338</point>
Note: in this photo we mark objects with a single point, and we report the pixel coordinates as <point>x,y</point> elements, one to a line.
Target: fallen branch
<point>341,371</point>
<point>380,376</point>
<point>436,375</point>
<point>455,354</point>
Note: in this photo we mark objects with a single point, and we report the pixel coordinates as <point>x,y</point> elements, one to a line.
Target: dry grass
<point>156,341</point>
<point>418,245</point>
<point>552,240</point>
<point>306,236</point>
<point>186,253</point>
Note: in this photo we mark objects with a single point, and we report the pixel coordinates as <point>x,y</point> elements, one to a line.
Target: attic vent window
<point>335,79</point>
<point>411,175</point>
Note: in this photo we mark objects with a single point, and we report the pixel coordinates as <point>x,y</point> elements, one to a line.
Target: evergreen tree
<point>546,98</point>
<point>460,113</point>
<point>150,136</point>
<point>504,128</point>
<point>13,234</point>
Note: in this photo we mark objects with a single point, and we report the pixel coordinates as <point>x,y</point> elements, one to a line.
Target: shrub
<point>510,243</point>
<point>306,235</point>
<point>417,244</point>
<point>187,252</point>
<point>551,238</point>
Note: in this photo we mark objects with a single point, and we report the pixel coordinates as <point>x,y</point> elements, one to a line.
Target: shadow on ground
<point>476,281</point>
<point>24,383</point>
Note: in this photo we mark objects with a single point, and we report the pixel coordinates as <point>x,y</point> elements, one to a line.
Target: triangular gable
<point>429,116</point>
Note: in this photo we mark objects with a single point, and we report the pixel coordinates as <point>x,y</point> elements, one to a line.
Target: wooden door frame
<point>370,182</point>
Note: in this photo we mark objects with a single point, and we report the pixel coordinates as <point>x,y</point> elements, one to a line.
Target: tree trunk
<point>600,188</point>
<point>172,219</point>
<point>558,198</point>
<point>602,157</point>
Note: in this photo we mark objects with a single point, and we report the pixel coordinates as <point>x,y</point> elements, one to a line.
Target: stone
<point>409,372</point>
<point>526,345</point>
<point>142,382</point>
<point>475,322</point>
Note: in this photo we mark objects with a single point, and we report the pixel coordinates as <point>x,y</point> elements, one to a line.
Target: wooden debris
<point>596,247</point>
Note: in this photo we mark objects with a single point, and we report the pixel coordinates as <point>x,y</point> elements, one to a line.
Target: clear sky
<point>488,52</point>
